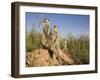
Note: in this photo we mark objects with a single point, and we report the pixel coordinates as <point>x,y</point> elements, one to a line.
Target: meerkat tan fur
<point>46,31</point>
<point>54,42</point>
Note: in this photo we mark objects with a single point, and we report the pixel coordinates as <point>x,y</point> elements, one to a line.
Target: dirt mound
<point>43,57</point>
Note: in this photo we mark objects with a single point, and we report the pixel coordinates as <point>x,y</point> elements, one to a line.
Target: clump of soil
<point>44,57</point>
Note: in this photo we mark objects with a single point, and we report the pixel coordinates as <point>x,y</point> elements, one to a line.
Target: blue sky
<point>67,23</point>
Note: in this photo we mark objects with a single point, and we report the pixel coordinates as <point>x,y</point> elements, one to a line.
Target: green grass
<point>78,47</point>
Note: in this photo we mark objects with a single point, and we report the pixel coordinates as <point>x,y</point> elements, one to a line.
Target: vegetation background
<point>77,46</point>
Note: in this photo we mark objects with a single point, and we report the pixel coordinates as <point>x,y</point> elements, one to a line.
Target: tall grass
<point>33,40</point>
<point>77,46</point>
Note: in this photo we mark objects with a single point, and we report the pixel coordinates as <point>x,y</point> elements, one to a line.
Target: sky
<point>67,23</point>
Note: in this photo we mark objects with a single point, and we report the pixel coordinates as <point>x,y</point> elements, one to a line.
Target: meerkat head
<point>55,28</point>
<point>46,20</point>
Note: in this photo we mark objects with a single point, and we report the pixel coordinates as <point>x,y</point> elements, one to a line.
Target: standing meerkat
<point>65,45</point>
<point>46,31</point>
<point>54,42</point>
<point>56,35</point>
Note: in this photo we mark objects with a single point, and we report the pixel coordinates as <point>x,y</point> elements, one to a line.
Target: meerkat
<point>54,42</point>
<point>56,35</point>
<point>46,31</point>
<point>65,45</point>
